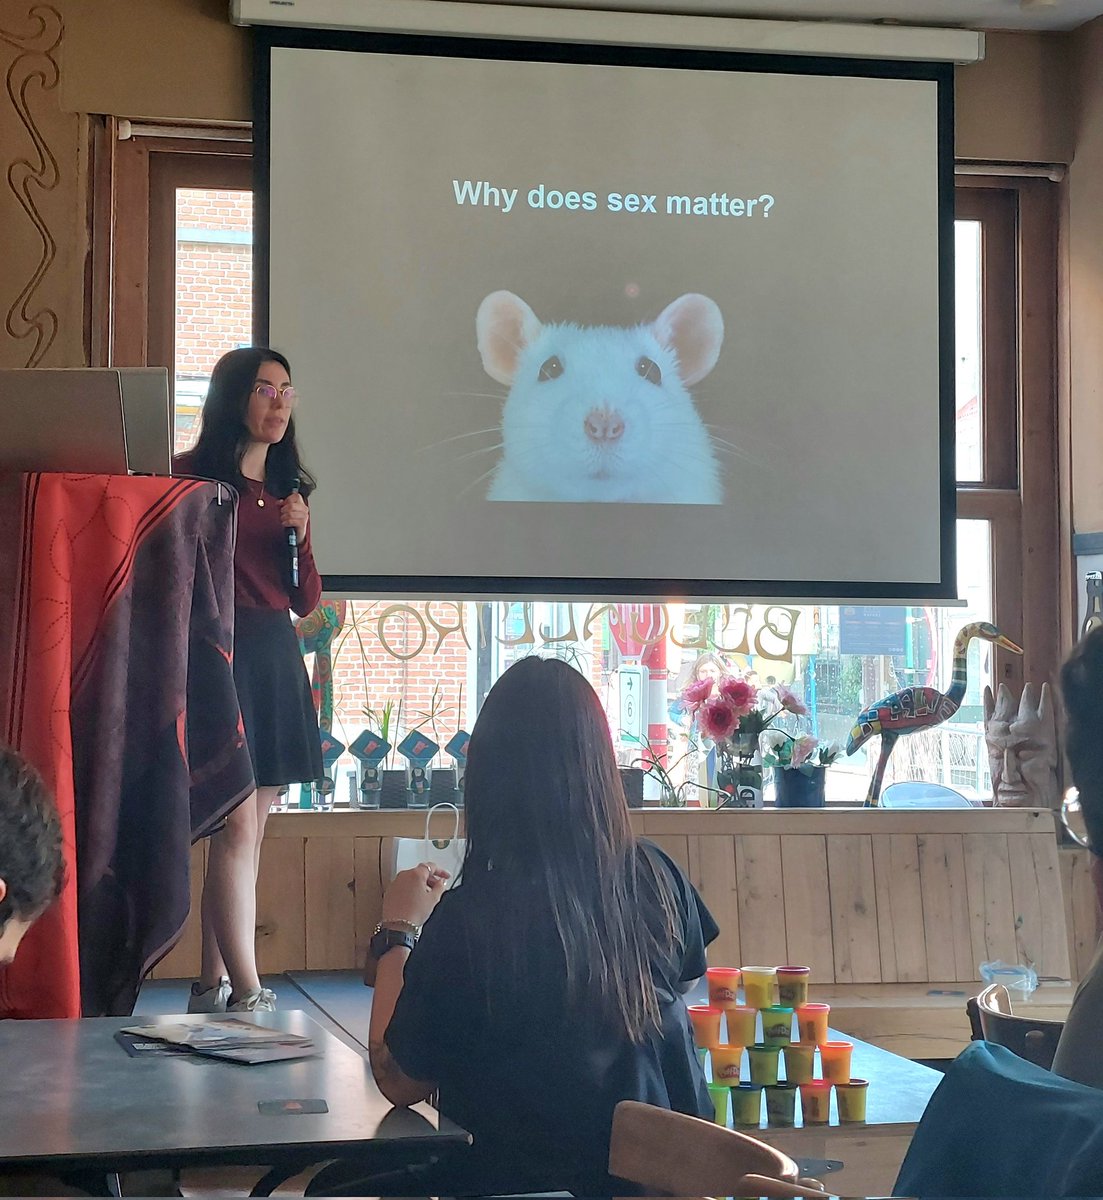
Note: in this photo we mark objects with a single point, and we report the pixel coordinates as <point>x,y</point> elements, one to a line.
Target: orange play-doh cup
<point>812,1022</point>
<point>815,1102</point>
<point>723,985</point>
<point>835,1060</point>
<point>706,1024</point>
<point>726,1064</point>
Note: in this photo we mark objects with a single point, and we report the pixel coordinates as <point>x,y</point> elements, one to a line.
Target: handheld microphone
<point>293,537</point>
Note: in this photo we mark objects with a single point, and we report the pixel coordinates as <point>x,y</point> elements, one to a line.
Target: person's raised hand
<point>294,512</point>
<point>413,894</point>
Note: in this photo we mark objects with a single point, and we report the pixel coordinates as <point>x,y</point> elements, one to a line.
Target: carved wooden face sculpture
<point>1022,747</point>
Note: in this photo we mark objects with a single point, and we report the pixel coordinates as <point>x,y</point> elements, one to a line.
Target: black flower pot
<point>794,789</point>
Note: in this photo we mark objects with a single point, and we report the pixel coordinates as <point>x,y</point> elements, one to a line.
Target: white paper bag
<point>443,852</point>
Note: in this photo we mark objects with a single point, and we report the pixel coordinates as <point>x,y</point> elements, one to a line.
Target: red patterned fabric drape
<point>116,626</point>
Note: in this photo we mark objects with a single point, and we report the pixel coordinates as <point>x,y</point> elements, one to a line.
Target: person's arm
<point>305,598</point>
<point>409,900</point>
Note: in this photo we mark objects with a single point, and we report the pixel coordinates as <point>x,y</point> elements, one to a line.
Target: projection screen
<point>566,321</point>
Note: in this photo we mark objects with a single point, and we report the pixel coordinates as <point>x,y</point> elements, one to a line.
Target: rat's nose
<point>603,425</point>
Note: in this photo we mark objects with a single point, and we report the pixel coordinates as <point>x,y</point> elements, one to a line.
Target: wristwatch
<point>393,933</point>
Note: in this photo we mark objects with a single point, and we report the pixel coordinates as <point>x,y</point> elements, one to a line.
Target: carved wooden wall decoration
<point>41,238</point>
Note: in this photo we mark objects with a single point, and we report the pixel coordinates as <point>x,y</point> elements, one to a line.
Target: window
<point>430,663</point>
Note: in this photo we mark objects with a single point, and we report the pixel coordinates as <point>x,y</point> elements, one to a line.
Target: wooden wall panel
<point>761,907</point>
<point>900,928</point>
<point>990,900</point>
<point>712,872</point>
<point>853,909</point>
<point>368,894</point>
<point>945,907</point>
<point>330,904</point>
<point>1040,934</point>
<point>807,897</point>
<point>1081,909</point>
<point>281,906</point>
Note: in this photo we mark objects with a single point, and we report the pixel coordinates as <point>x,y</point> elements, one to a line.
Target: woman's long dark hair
<point>546,815</point>
<point>1082,692</point>
<point>224,434</point>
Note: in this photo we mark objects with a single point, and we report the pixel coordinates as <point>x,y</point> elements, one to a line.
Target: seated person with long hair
<point>1080,1051</point>
<point>547,986</point>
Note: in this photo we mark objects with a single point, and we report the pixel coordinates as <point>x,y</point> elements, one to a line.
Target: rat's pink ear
<point>504,326</point>
<point>693,328</point>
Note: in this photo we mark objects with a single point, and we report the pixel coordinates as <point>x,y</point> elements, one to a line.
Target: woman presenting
<point>248,441</point>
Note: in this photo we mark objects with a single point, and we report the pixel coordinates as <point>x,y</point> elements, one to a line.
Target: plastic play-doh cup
<point>815,1102</point>
<point>741,1022</point>
<point>723,986</point>
<point>758,986</point>
<point>792,985</point>
<point>781,1104</point>
<point>720,1097</point>
<point>726,1061</point>
<point>706,1024</point>
<point>763,1062</point>
<point>852,1100</point>
<point>747,1104</point>
<point>835,1060</point>
<point>777,1025</point>
<point>800,1062</point>
<point>812,1022</point>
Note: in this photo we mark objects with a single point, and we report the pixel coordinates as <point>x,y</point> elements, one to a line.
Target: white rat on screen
<point>602,413</point>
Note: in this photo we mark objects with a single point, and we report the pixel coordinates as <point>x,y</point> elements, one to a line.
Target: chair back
<point>1028,1037</point>
<point>669,1154</point>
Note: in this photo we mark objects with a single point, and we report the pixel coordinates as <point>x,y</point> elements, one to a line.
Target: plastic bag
<point>1016,978</point>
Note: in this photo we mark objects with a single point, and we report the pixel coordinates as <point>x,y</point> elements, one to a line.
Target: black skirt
<point>281,725</point>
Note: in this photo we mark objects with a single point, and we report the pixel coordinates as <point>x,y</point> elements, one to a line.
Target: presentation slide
<point>573,321</point>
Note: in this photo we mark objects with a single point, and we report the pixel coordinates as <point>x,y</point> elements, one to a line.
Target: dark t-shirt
<point>534,1082</point>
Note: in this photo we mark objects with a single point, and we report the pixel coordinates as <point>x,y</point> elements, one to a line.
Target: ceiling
<point>973,14</point>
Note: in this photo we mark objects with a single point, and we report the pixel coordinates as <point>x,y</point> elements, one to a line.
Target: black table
<point>75,1100</point>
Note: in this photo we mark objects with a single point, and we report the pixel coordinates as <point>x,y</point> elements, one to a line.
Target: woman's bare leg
<point>230,902</point>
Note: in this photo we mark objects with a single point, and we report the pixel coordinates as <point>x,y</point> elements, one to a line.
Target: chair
<point>668,1154</point>
<point>993,1020</point>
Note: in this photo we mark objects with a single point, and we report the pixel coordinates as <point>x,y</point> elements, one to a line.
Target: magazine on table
<point>229,1038</point>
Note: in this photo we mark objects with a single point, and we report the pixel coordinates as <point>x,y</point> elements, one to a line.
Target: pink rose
<point>803,749</point>
<point>789,700</point>
<point>741,695</point>
<point>697,693</point>
<point>718,719</point>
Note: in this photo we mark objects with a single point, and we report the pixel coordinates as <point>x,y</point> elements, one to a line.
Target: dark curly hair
<point>30,841</point>
<point>1082,692</point>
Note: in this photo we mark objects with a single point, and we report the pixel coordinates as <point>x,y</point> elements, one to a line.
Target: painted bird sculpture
<point>915,708</point>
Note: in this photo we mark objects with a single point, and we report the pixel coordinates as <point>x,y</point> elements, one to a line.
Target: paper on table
<point>229,1038</point>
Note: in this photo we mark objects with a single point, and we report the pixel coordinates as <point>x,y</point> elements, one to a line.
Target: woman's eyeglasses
<point>271,393</point>
<point>1072,817</point>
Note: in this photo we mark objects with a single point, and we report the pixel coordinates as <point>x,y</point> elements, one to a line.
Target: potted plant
<point>733,714</point>
<point>800,767</point>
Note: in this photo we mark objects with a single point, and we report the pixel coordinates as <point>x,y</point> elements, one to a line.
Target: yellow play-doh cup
<point>726,1063</point>
<point>792,985</point>
<point>851,1097</point>
<point>706,1024</point>
<point>835,1060</point>
<point>763,1064</point>
<point>815,1102</point>
<point>741,1022</point>
<point>723,983</point>
<point>777,1025</point>
<point>800,1062</point>
<point>758,986</point>
<point>812,1022</point>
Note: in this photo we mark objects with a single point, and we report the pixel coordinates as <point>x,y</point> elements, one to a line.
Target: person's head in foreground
<point>1082,691</point>
<point>31,865</point>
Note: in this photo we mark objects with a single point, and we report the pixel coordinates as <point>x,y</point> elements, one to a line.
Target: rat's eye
<point>648,368</point>
<point>550,368</point>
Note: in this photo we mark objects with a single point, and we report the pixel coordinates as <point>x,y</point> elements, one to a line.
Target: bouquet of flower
<point>804,754</point>
<point>733,713</point>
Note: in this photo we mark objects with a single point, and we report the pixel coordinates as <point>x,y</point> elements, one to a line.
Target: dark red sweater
<point>262,570</point>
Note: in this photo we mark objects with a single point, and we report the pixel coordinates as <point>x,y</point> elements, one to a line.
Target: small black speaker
<point>394,793</point>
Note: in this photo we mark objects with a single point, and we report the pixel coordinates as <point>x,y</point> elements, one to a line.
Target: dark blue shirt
<point>534,1082</point>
